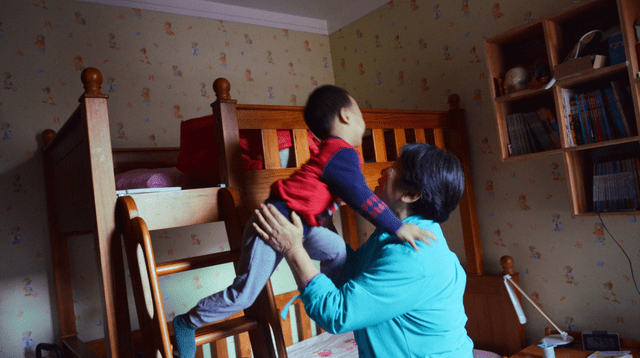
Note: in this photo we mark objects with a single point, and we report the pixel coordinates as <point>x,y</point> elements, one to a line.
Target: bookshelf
<point>610,142</point>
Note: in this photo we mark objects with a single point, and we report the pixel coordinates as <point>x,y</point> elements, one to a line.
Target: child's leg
<point>330,249</point>
<point>257,262</point>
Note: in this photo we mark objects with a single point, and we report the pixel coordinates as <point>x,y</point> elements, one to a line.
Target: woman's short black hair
<point>323,107</point>
<point>436,175</point>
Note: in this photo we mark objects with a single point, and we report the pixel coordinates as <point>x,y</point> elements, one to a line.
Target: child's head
<point>436,175</point>
<point>325,105</point>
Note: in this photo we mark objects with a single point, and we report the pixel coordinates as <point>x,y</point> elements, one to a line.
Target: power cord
<point>624,252</point>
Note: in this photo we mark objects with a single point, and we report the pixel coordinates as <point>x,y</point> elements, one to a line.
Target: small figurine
<point>541,74</point>
<point>516,79</point>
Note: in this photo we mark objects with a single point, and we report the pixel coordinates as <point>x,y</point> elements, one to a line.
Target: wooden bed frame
<point>79,173</point>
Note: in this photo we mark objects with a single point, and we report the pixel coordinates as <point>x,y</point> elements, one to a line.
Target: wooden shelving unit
<point>552,39</point>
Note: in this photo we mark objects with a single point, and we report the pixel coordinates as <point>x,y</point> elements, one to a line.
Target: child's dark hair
<point>323,107</point>
<point>436,175</point>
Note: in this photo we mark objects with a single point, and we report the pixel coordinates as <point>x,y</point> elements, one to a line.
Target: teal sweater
<point>399,302</point>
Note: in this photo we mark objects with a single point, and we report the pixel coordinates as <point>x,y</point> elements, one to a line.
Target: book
<point>567,95</point>
<point>595,118</point>
<point>630,185</point>
<point>602,115</point>
<point>541,138</point>
<point>624,107</point>
<point>521,133</point>
<point>610,188</point>
<point>550,125</point>
<point>534,143</point>
<point>585,119</point>
<point>615,114</point>
<point>635,163</point>
<point>576,124</point>
<point>595,197</point>
<point>513,139</point>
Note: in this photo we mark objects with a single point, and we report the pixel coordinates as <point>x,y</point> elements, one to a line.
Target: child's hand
<point>410,232</point>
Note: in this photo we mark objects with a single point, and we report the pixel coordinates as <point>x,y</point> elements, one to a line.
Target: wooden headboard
<point>390,130</point>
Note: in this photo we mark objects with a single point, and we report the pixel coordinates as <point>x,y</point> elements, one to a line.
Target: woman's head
<point>323,107</point>
<point>435,175</point>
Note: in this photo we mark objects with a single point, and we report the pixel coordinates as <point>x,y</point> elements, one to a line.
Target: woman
<point>398,301</point>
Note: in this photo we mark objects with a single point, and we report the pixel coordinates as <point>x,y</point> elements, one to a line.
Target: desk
<point>571,350</point>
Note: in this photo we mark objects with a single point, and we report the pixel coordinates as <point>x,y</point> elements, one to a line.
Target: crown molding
<point>216,11</point>
<point>352,13</point>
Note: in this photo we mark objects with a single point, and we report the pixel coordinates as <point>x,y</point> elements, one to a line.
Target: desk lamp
<point>518,308</point>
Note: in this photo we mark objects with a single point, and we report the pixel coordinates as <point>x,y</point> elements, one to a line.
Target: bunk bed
<point>81,167</point>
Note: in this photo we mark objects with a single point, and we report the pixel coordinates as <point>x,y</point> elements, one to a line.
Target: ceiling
<point>315,16</point>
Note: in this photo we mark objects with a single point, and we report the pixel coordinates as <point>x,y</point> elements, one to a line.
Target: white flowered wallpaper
<point>412,54</point>
<point>158,69</point>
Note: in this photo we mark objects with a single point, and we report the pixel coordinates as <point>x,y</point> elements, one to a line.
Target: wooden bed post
<point>227,135</point>
<point>468,209</point>
<point>80,203</point>
<point>107,238</point>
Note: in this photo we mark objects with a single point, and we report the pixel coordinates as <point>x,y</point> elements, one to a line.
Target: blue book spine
<point>605,122</point>
<point>583,103</point>
<point>583,125</point>
<point>613,108</point>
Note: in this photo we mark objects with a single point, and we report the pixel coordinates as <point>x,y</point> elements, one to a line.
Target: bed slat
<point>420,136</point>
<point>301,146</point>
<point>379,146</point>
<point>400,138</point>
<point>270,149</point>
<point>439,138</point>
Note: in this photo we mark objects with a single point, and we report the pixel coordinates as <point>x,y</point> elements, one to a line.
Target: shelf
<point>528,93</point>
<point>533,155</point>
<point>592,75</point>
<point>554,38</point>
<point>603,144</point>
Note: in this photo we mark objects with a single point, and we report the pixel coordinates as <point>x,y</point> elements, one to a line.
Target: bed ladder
<point>193,207</point>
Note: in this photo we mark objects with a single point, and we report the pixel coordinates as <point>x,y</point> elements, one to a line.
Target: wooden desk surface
<point>571,350</point>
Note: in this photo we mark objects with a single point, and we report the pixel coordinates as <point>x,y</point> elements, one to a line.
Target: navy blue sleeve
<point>345,180</point>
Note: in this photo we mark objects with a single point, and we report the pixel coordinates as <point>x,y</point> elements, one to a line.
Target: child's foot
<point>185,334</point>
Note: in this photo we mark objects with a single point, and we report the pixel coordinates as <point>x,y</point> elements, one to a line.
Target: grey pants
<point>258,261</point>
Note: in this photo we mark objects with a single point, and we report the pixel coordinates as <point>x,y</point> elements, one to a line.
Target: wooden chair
<point>140,216</point>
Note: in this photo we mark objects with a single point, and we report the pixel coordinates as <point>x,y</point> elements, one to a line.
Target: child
<point>314,192</point>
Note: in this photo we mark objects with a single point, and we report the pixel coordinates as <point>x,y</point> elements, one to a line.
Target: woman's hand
<point>286,237</point>
<point>276,230</point>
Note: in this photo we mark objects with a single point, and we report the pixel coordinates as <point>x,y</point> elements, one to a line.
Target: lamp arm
<point>508,278</point>
<point>515,301</point>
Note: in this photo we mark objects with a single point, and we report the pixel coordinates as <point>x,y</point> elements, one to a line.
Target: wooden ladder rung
<point>192,263</point>
<point>219,330</point>
<point>78,348</point>
<point>228,328</point>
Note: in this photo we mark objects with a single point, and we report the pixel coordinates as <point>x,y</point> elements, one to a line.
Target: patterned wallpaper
<point>158,69</point>
<point>412,54</point>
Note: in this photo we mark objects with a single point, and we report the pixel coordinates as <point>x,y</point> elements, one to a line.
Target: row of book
<point>616,185</point>
<point>599,115</point>
<point>532,132</point>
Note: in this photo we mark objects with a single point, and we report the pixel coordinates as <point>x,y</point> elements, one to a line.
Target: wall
<point>412,54</point>
<point>158,70</point>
